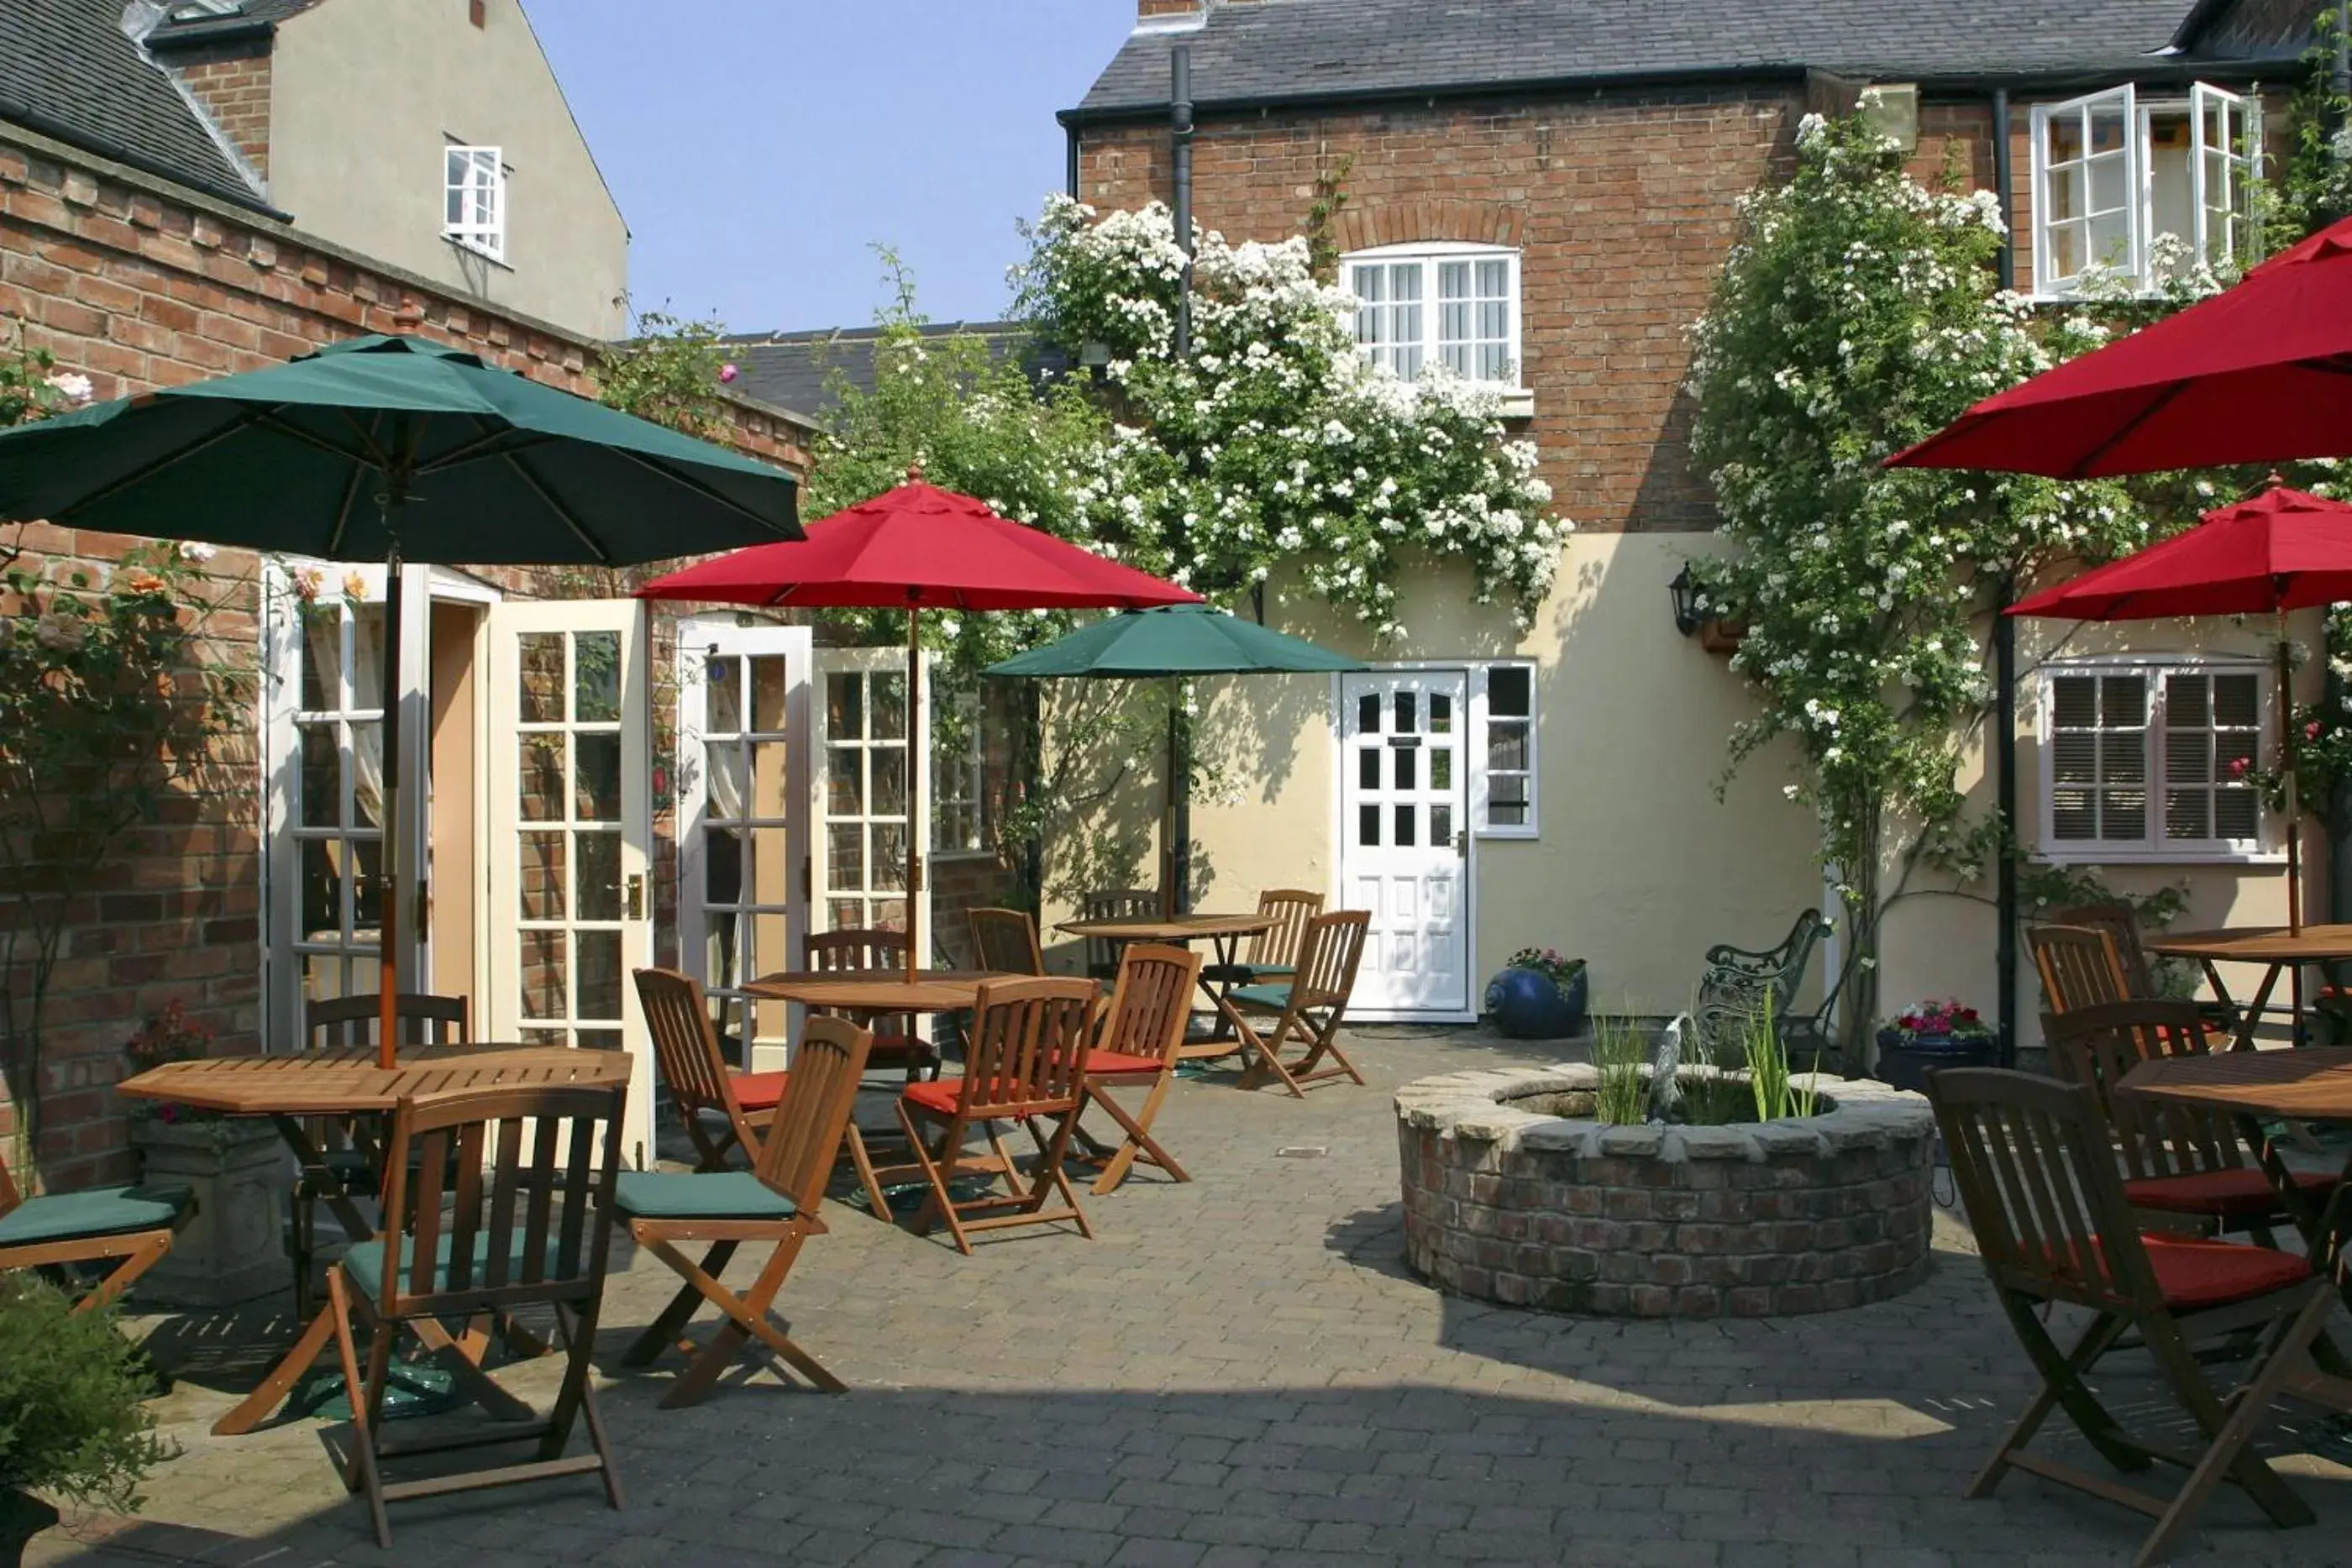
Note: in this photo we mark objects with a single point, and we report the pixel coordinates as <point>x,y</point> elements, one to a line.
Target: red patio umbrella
<point>2261,373</point>
<point>919,548</point>
<point>2277,551</point>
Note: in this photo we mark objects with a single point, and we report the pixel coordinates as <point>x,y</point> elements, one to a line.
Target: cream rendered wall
<point>1940,945</point>
<point>1638,868</point>
<point>365,94</point>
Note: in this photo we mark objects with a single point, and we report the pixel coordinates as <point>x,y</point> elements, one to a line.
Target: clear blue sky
<point>759,148</point>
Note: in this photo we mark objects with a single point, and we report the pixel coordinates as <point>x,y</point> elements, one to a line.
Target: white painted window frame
<point>2239,166</point>
<point>1481,718</point>
<point>972,767</point>
<point>476,178</point>
<point>1428,254</point>
<point>2265,849</point>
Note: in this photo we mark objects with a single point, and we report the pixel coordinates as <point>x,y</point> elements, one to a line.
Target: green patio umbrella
<point>1176,640</point>
<point>400,450</point>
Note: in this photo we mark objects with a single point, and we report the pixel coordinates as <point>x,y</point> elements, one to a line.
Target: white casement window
<point>2153,759</point>
<point>2114,173</point>
<point>958,814</point>
<point>1438,304</point>
<point>474,209</point>
<point>1503,775</point>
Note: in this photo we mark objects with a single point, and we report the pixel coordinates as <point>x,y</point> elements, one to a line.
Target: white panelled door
<point>1404,839</point>
<point>742,765</point>
<point>866,804</point>
<point>570,833</point>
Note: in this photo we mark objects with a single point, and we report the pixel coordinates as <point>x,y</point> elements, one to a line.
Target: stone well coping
<point>1470,1106</point>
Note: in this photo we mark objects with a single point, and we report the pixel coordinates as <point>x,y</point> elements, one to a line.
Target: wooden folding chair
<point>1005,940</point>
<point>1025,1060</point>
<point>2122,927</point>
<point>718,1105</point>
<point>1138,1046</point>
<point>128,1227</point>
<point>351,1150</point>
<point>525,1176</point>
<point>1272,954</point>
<point>777,1201</point>
<point>896,1043</point>
<point>2035,1168</point>
<point>2177,1158</point>
<point>1308,1011</point>
<point>1114,903</point>
<point>2079,965</point>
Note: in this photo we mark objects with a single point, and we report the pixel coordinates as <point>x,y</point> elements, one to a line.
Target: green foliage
<point>1547,962</point>
<point>670,371</point>
<point>2312,184</point>
<point>1623,1055</point>
<point>72,1416</point>
<point>110,709</point>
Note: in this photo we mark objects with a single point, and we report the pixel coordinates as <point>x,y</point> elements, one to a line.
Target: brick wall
<point>1624,209</point>
<point>139,285</point>
<point>235,91</point>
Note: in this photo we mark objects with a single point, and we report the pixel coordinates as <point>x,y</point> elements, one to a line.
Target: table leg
<point>2248,1020</point>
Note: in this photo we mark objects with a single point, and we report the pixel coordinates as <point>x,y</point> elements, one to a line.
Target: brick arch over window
<point>1410,223</point>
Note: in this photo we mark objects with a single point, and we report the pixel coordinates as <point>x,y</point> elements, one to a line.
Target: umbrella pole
<point>915,772</point>
<point>2294,813</point>
<point>387,1043</point>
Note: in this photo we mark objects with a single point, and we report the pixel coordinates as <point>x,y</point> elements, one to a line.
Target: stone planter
<point>232,1249</point>
<point>1508,1202</point>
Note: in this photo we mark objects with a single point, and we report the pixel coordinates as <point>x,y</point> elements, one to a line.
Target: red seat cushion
<point>938,1096</point>
<point>758,1090</point>
<point>1120,1064</point>
<point>2192,1273</point>
<point>2230,1194</point>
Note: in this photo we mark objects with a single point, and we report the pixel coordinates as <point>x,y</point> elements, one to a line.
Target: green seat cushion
<point>702,1194</point>
<point>1274,998</point>
<point>1247,974</point>
<point>365,1263</point>
<point>101,1211</point>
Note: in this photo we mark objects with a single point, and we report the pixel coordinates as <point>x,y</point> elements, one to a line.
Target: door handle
<point>635,904</point>
<point>1462,842</point>
<point>423,904</point>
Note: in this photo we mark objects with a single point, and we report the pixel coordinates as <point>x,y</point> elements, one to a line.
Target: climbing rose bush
<point>1275,442</point>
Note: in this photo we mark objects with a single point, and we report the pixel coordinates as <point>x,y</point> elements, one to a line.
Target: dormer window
<point>1439,303</point>
<point>2113,172</point>
<point>474,211</point>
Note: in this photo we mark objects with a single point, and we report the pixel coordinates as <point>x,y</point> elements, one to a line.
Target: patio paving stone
<point>1239,1370</point>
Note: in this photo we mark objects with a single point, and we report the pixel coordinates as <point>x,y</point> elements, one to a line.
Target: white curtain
<point>726,759</point>
<point>323,638</point>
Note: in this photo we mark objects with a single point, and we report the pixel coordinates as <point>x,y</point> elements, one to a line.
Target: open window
<point>2115,173</point>
<point>473,200</point>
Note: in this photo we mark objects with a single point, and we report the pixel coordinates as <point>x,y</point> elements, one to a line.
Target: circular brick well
<point>1508,1203</point>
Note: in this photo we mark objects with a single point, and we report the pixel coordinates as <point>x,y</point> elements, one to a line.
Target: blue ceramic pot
<point>1526,1005</point>
<point>1905,1062</point>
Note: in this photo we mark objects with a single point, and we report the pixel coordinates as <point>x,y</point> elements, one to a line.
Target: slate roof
<point>797,370</point>
<point>68,70</point>
<point>1283,50</point>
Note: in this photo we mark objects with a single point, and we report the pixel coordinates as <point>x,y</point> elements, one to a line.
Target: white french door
<point>1405,839</point>
<point>742,765</point>
<point>865,804</point>
<point>569,826</point>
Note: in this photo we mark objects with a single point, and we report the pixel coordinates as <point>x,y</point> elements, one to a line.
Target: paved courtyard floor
<point>1238,1371</point>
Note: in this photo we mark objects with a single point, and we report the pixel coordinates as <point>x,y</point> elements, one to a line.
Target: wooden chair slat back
<point>859,952</point>
<point>1292,908</point>
<point>1152,1002</point>
<point>2159,1137</point>
<point>1114,903</point>
<point>2122,927</point>
<point>804,1136</point>
<point>686,1049</point>
<point>1005,940</point>
<point>511,1185</point>
<point>1329,951</point>
<point>2079,967</point>
<point>1027,1049</point>
<point>349,1023</point>
<point>2036,1173</point>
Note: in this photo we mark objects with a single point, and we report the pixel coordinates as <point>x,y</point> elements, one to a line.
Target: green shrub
<point>72,1418</point>
<point>1621,1053</point>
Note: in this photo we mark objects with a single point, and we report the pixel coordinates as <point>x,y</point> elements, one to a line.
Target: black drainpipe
<point>1180,779</point>
<point>2004,658</point>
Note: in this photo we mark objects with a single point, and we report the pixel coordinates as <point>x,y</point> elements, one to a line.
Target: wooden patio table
<point>2312,1084</point>
<point>1223,932</point>
<point>876,993</point>
<point>2282,950</point>
<point>348,1084</point>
